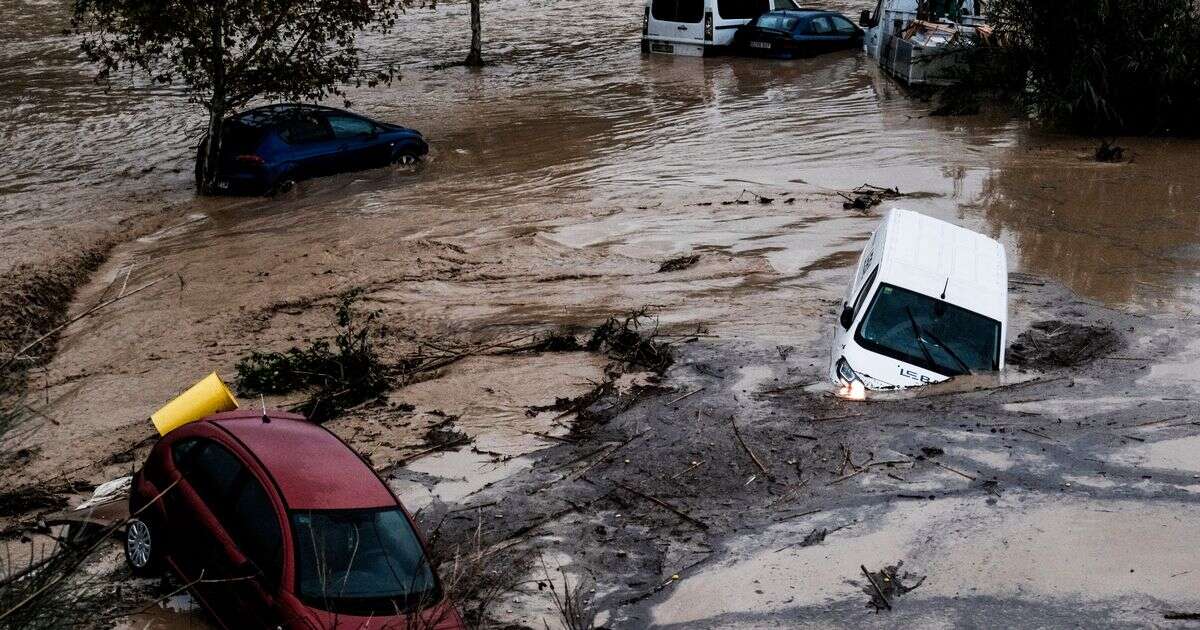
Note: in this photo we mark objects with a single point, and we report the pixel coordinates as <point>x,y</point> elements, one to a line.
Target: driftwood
<point>663,504</point>
<point>749,452</point>
<point>874,585</point>
<point>957,472</point>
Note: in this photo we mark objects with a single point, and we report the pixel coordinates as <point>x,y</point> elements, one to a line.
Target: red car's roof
<point>312,468</point>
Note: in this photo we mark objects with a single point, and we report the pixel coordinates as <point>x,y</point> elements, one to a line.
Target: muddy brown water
<point>570,113</point>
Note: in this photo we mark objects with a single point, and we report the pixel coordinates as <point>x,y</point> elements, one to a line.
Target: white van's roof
<point>927,255</point>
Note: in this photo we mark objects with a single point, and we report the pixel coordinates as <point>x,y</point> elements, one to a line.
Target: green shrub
<point>1103,66</point>
<point>338,375</point>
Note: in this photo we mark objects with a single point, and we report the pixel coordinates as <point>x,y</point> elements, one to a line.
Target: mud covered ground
<point>1040,497</point>
<point>1036,495</point>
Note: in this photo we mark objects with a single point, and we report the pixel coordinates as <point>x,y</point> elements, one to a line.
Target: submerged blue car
<point>267,149</point>
<point>787,34</point>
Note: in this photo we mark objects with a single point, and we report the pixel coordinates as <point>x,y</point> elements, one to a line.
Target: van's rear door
<point>676,21</point>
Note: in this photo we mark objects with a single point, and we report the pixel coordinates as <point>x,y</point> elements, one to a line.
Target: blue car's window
<point>820,26</point>
<point>776,22</point>
<point>742,9</point>
<point>350,126</point>
<point>842,25</point>
<point>238,139</point>
<point>304,128</point>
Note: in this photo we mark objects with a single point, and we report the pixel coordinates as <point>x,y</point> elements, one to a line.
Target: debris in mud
<point>868,196</point>
<point>38,497</point>
<point>576,405</point>
<point>623,339</point>
<point>444,433</point>
<point>885,585</point>
<point>815,537</point>
<point>741,199</point>
<point>338,376</point>
<point>678,264</point>
<point>932,451</point>
<point>18,458</point>
<point>559,341</point>
<point>1057,344</point>
<point>1109,151</point>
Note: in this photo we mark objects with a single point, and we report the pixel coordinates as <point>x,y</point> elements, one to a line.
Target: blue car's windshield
<point>776,22</point>
<point>361,562</point>
<point>928,332</point>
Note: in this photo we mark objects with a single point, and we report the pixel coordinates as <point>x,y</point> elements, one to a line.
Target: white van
<point>699,27</point>
<point>929,301</point>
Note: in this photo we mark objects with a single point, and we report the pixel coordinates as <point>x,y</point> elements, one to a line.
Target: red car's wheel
<point>142,547</point>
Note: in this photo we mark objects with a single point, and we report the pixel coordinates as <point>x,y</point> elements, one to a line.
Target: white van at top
<point>699,27</point>
<point>929,301</point>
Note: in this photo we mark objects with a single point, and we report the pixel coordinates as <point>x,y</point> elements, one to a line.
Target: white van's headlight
<point>846,373</point>
<point>852,385</point>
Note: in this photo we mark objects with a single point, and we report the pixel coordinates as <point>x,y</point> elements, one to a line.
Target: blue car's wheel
<point>408,154</point>
<point>283,183</point>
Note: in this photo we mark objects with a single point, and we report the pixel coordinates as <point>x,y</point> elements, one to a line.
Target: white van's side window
<point>689,11</point>
<point>862,293</point>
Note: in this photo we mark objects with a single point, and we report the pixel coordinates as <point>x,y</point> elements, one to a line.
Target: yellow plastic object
<point>205,398</point>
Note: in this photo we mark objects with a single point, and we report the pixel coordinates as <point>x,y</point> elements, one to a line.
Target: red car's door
<point>254,522</point>
<point>199,547</point>
<point>223,542</point>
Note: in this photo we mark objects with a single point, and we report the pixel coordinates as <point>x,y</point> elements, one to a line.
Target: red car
<point>277,523</point>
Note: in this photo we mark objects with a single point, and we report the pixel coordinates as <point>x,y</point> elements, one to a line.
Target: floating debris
<point>886,584</point>
<point>1056,344</point>
<point>678,264</point>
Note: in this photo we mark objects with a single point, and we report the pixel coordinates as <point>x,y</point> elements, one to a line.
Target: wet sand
<point>561,177</point>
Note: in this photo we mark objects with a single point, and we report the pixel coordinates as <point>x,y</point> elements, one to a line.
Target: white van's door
<point>676,27</point>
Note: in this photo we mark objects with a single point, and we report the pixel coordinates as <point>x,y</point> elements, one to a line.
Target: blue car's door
<point>849,35</point>
<point>820,36</point>
<point>357,139</point>
<point>310,144</point>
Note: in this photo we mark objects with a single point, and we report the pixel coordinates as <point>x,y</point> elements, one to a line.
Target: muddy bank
<point>38,292</point>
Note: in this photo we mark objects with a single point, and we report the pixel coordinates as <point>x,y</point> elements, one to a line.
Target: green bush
<point>338,375</point>
<point>1104,66</point>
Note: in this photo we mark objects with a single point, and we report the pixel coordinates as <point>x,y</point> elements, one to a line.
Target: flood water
<point>570,113</point>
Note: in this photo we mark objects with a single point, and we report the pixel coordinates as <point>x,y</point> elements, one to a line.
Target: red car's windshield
<point>361,562</point>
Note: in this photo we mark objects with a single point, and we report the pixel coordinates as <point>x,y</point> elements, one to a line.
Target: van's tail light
<point>708,27</point>
<point>250,159</point>
<point>646,22</point>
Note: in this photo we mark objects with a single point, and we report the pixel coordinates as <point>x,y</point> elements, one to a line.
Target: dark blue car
<point>788,34</point>
<point>267,149</point>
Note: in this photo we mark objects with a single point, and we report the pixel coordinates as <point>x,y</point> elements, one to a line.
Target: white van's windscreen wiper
<point>916,328</point>
<point>950,351</point>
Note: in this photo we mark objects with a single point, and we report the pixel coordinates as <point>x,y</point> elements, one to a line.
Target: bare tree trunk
<point>475,57</point>
<point>216,106</point>
<point>210,154</point>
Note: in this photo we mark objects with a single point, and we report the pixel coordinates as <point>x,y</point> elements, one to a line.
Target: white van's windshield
<point>930,333</point>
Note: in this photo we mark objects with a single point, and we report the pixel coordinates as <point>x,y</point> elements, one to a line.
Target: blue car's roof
<point>802,13</point>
